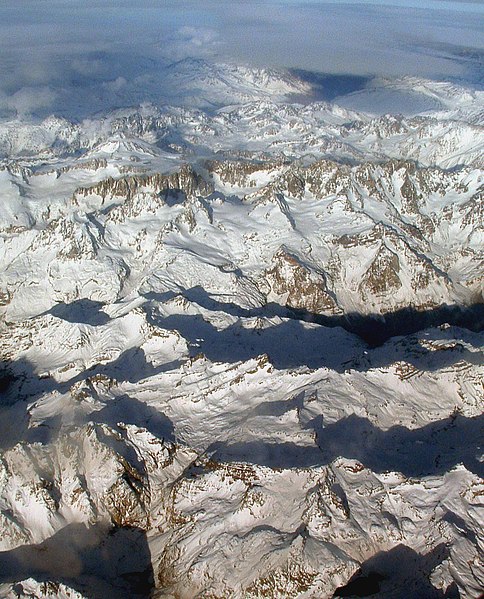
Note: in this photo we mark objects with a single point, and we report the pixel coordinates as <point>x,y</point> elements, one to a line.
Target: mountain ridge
<point>241,346</point>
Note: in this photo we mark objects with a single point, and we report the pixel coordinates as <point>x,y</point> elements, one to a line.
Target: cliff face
<point>296,286</point>
<point>185,180</point>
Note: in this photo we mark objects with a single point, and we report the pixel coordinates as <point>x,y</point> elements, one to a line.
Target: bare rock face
<point>301,287</point>
<point>4,297</point>
<point>383,275</point>
<point>293,184</point>
<point>185,180</point>
<point>384,269</point>
<point>242,173</point>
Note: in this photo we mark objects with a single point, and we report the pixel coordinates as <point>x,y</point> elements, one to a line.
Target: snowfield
<point>241,345</point>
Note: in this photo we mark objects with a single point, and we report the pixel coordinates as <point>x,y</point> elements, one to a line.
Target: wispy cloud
<point>76,57</point>
<point>28,100</point>
<point>200,42</point>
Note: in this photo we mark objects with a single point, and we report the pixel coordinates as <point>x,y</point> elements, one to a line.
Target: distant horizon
<point>54,51</point>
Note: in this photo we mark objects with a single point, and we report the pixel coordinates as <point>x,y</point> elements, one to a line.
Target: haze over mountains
<point>73,59</point>
<point>241,325</point>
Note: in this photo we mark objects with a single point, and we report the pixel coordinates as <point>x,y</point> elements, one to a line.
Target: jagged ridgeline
<point>325,239</point>
<point>241,350</point>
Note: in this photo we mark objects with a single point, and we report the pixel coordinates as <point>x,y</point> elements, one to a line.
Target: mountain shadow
<point>21,384</point>
<point>374,329</point>
<point>84,311</point>
<point>129,410</point>
<point>19,379</point>
<point>377,329</point>
<point>400,573</point>
<point>431,450</point>
<point>327,86</point>
<point>131,365</point>
<point>289,344</point>
<point>97,561</point>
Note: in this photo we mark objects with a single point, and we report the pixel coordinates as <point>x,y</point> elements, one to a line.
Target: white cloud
<point>88,66</point>
<point>115,85</point>
<point>28,100</point>
<point>188,41</point>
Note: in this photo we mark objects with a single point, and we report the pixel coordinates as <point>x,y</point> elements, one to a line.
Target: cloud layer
<point>75,58</point>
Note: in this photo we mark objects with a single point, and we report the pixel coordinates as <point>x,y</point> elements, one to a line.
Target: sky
<point>56,54</point>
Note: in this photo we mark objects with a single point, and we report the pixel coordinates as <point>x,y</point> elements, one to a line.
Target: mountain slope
<point>241,348</point>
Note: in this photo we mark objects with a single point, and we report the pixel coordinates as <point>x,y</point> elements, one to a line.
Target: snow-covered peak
<point>224,83</point>
<point>411,96</point>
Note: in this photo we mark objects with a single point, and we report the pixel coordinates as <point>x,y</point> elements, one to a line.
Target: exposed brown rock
<point>305,289</point>
<point>383,275</point>
<point>185,180</point>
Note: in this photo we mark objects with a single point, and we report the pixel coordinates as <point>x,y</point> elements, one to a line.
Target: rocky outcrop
<point>298,286</point>
<point>242,173</point>
<point>186,180</point>
<point>383,275</point>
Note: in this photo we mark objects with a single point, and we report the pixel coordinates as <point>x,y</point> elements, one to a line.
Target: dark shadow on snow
<point>21,385</point>
<point>272,455</point>
<point>431,450</point>
<point>461,526</point>
<point>327,86</point>
<point>18,378</point>
<point>131,366</point>
<point>374,329</point>
<point>400,573</point>
<point>98,562</point>
<point>83,310</point>
<point>289,344</point>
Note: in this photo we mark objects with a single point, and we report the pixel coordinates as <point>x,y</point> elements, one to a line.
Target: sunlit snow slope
<point>241,346</point>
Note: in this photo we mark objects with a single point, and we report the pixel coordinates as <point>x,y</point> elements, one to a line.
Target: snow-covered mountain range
<point>241,344</point>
